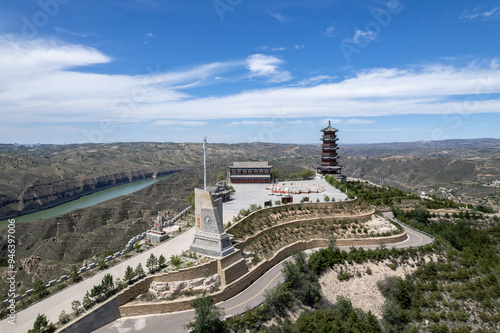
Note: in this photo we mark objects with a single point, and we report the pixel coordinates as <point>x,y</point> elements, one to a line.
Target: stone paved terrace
<point>247,194</point>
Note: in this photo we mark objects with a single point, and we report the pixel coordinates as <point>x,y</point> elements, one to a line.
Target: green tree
<point>107,283</point>
<point>40,289</point>
<point>41,324</point>
<point>75,277</point>
<point>190,198</point>
<point>101,263</point>
<point>139,271</point>
<point>161,261</point>
<point>276,174</point>
<point>129,274</point>
<point>151,263</point>
<point>207,318</point>
<point>278,299</point>
<point>302,281</point>
<point>87,301</point>
<point>64,318</point>
<point>221,176</point>
<point>75,306</point>
<point>307,174</point>
<point>176,261</point>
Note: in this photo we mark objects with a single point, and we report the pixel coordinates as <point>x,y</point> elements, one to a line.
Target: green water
<point>86,201</point>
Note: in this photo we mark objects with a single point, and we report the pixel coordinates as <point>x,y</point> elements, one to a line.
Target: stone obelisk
<point>209,237</point>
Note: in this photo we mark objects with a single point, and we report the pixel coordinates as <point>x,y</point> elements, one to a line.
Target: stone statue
<point>158,225</point>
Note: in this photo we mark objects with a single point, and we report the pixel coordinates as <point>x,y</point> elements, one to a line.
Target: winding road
<point>249,298</point>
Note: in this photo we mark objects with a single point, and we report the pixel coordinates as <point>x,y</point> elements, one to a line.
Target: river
<point>86,200</point>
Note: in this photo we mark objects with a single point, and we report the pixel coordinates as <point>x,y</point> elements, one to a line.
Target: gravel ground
<point>362,291</point>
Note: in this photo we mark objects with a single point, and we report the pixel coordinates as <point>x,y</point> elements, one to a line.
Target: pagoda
<point>329,164</point>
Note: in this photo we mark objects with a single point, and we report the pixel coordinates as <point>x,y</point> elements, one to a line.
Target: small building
<point>219,191</point>
<point>250,173</point>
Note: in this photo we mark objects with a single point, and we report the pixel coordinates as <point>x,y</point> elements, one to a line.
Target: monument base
<point>212,245</point>
<point>156,237</point>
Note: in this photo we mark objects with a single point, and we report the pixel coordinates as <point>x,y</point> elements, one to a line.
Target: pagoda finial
<point>329,123</point>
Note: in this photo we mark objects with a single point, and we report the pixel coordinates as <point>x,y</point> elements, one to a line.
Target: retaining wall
<point>365,216</point>
<point>205,270</point>
<point>243,282</point>
<point>305,205</point>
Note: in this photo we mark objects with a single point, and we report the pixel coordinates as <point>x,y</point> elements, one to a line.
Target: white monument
<point>209,237</point>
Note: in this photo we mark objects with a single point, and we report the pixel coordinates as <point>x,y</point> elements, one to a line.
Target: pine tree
<point>87,301</point>
<point>129,274</point>
<point>207,318</point>
<point>139,271</point>
<point>161,261</point>
<point>151,263</point>
<point>41,324</point>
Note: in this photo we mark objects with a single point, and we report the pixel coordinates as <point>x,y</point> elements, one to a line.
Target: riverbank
<point>88,198</point>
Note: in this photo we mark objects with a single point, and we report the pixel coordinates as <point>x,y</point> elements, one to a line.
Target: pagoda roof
<point>329,128</point>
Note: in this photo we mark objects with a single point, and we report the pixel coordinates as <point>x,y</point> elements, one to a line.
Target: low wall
<point>132,291</point>
<point>227,261</point>
<point>208,269</point>
<point>365,216</point>
<point>234,271</point>
<point>98,317</point>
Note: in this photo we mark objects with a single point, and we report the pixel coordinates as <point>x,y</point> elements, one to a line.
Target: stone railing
<point>141,236</point>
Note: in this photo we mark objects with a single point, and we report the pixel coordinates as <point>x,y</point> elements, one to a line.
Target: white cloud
<point>265,123</point>
<point>281,18</point>
<point>300,122</point>
<point>330,31</point>
<point>61,31</point>
<point>359,121</point>
<point>146,38</point>
<point>299,46</point>
<point>361,36</point>
<point>40,83</point>
<point>41,56</point>
<point>316,79</point>
<point>481,15</point>
<point>261,65</point>
<point>179,123</point>
<point>332,120</point>
<point>274,49</point>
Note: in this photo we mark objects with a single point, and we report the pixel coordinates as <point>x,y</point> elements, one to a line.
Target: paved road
<point>53,305</point>
<point>251,297</point>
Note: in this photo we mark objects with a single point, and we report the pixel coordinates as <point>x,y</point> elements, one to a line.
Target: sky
<point>248,70</point>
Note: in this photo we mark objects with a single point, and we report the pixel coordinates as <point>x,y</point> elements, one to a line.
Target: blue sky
<point>244,71</point>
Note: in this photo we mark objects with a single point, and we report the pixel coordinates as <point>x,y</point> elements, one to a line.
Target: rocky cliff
<point>42,193</point>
